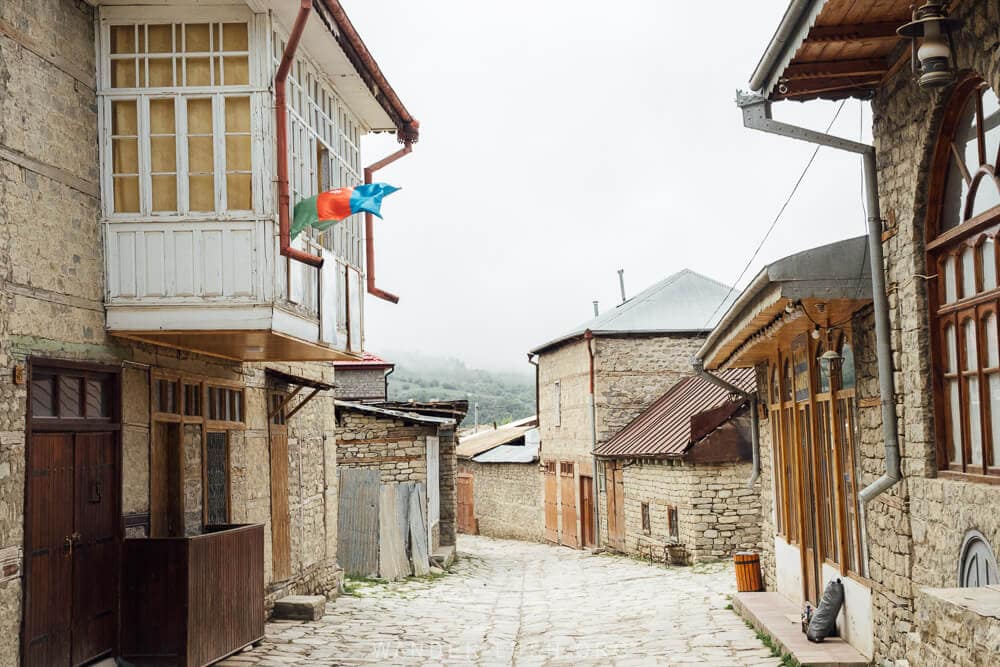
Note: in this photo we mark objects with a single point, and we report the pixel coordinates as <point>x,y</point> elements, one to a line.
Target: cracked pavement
<point>523,604</point>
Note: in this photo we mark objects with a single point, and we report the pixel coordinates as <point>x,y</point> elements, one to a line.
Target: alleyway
<point>514,603</point>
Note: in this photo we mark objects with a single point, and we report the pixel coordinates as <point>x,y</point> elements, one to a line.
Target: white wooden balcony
<point>221,288</point>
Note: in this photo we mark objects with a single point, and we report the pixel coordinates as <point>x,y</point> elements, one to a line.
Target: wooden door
<point>48,551</point>
<point>466,504</point>
<point>810,531</point>
<point>567,502</point>
<point>71,601</point>
<point>96,548</point>
<point>281,534</point>
<point>587,510</point>
<point>551,503</point>
<point>615,489</point>
<point>166,481</point>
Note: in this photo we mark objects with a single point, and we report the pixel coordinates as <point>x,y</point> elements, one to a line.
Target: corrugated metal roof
<point>473,445</point>
<point>684,302</point>
<point>393,414</point>
<point>526,453</point>
<point>664,429</point>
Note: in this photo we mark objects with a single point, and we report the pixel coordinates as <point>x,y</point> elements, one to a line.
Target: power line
<point>774,222</point>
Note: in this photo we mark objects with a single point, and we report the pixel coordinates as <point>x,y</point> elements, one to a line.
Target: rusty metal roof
<point>664,430</point>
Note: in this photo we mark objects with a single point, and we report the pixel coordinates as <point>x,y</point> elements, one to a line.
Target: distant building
<point>630,355</point>
<point>500,483</point>
<point>682,468</point>
<point>363,381</point>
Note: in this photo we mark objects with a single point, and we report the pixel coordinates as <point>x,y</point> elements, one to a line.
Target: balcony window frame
<point>964,296</point>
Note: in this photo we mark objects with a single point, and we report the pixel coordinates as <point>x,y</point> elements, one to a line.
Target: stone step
<point>300,608</point>
<point>443,556</point>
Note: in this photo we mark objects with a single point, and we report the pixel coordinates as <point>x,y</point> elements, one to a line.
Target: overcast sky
<point>562,140</point>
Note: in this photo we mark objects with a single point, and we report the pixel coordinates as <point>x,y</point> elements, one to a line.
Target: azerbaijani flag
<point>329,208</point>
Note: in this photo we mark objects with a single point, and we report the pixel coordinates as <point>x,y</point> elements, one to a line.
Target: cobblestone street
<point>516,603</point>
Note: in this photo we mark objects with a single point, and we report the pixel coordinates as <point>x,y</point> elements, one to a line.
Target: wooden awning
<point>833,49</point>
<point>299,383</point>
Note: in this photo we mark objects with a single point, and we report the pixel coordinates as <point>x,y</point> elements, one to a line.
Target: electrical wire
<point>774,222</point>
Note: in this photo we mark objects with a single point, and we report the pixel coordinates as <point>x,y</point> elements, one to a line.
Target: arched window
<point>786,388</point>
<point>962,225</point>
<point>775,388</point>
<point>978,564</point>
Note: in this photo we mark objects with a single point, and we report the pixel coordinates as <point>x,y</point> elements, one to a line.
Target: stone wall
<point>360,384</point>
<point>396,448</point>
<point>508,499</point>
<point>717,513</point>
<point>448,469</point>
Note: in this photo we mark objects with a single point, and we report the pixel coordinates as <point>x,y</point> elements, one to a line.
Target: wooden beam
<point>828,34</point>
<point>828,88</point>
<point>302,404</point>
<point>834,69</point>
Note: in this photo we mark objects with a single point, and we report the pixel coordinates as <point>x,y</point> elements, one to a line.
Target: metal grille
<point>217,500</point>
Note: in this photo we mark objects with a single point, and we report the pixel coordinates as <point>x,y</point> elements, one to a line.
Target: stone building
<point>500,483</point>
<point>623,360</point>
<point>405,446</point>
<point>163,354</point>
<point>677,475</point>
<point>925,378</point>
<point>363,381</point>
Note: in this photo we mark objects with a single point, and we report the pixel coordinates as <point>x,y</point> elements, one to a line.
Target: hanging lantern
<point>931,45</point>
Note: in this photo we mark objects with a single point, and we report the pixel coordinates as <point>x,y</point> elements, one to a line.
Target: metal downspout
<point>589,337</point>
<point>370,222</point>
<point>757,116</point>
<point>281,139</point>
<point>699,368</point>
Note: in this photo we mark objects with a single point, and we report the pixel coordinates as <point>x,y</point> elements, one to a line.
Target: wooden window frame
<point>673,524</point>
<point>646,524</point>
<point>945,249</point>
<point>557,391</point>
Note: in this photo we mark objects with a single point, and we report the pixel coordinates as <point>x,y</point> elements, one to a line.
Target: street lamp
<point>933,59</point>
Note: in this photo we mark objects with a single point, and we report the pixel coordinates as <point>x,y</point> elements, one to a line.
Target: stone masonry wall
<point>396,448</point>
<point>916,530</point>
<point>508,499</point>
<point>716,513</point>
<point>360,384</point>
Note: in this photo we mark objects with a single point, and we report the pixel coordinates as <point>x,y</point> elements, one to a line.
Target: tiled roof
<point>664,429</point>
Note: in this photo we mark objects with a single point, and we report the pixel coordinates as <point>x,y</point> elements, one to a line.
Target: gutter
<point>589,337</point>
<point>794,26</point>
<point>281,139</point>
<point>699,369</point>
<point>757,115</point>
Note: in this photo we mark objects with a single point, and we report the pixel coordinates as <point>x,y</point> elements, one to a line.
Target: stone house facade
<point>364,381</point>
<point>930,539</point>
<point>632,354</point>
<point>404,447</point>
<point>676,477</point>
<point>167,434</point>
<point>500,483</point>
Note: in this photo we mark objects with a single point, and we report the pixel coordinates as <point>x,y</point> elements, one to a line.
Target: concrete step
<point>300,608</point>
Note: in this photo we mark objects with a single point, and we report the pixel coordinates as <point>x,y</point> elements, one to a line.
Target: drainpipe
<point>699,369</point>
<point>757,116</point>
<point>533,360</point>
<point>281,139</point>
<point>370,219</point>
<point>386,378</point>
<point>589,337</point>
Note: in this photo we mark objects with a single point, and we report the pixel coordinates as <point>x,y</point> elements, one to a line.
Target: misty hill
<point>502,396</point>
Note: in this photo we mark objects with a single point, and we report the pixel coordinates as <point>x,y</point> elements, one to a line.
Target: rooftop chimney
<point>596,310</point>
<point>621,282</point>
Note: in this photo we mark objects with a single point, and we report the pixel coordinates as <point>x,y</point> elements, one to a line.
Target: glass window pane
<point>238,192</point>
<point>201,193</point>
<point>196,38</point>
<point>163,154</point>
<point>971,360</point>
<point>987,256</point>
<point>236,71</point>
<point>951,345</point>
<point>822,371</point>
<point>161,116</point>
<point>97,399</point>
<point>950,282</point>
<point>43,396</point>
<point>125,156</point>
<point>69,397</point>
<point>968,273</point>
<point>991,125</point>
<point>975,429</point>
<point>237,114</point>
<point>123,39</point>
<point>955,418</point>
<point>234,37</point>
<point>847,366</point>
<point>201,155</point>
<point>126,194</point>
<point>197,72</point>
<point>992,349</point>
<point>199,120</point>
<point>161,38</point>
<point>164,193</point>
<point>987,196</point>
<point>994,383</point>
<point>124,118</point>
<point>123,73</point>
<point>161,72</point>
<point>967,136</point>
<point>238,153</point>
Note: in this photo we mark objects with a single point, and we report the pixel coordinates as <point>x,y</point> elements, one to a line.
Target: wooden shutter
<point>281,536</point>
